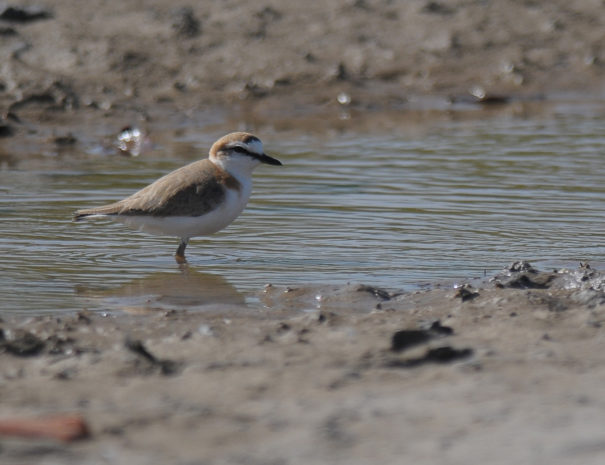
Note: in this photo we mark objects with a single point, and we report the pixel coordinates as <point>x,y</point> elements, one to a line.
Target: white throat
<point>238,166</point>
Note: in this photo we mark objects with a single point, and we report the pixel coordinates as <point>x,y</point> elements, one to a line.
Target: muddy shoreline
<point>485,373</point>
<point>75,68</point>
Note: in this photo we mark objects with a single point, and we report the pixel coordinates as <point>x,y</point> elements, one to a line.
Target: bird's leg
<point>180,252</point>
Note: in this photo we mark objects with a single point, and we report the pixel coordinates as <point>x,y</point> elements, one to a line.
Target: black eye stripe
<point>241,150</point>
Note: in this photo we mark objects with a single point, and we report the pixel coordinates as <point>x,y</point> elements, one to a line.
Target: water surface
<point>397,209</point>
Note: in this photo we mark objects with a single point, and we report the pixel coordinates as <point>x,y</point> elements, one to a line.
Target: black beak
<point>264,158</point>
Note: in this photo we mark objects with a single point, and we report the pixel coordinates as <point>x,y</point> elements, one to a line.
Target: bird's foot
<point>179,256</point>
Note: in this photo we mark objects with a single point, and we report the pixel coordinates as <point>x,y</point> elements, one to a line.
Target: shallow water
<point>394,208</point>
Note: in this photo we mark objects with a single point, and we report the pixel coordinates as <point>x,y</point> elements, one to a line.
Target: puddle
<point>396,209</point>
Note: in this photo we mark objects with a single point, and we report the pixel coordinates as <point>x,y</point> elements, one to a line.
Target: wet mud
<point>80,71</point>
<point>308,379</point>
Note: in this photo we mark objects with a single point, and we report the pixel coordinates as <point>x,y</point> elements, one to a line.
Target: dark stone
<point>84,317</point>
<point>521,265</point>
<point>24,344</point>
<point>6,130</point>
<point>522,275</point>
<point>407,338</point>
<point>21,14</point>
<point>437,328</point>
<point>166,367</point>
<point>445,354</point>
<point>494,99</point>
<point>341,72</point>
<point>437,8</point>
<point>466,292</point>
<point>529,280</point>
<point>185,23</point>
<point>58,344</point>
<point>66,140</point>
<point>375,291</point>
<point>58,96</point>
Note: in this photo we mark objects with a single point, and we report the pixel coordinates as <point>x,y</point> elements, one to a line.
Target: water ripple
<point>388,210</point>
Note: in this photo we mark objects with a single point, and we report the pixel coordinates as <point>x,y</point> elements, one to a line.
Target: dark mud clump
<point>440,355</point>
<point>522,275</point>
<point>166,367</point>
<point>406,338</point>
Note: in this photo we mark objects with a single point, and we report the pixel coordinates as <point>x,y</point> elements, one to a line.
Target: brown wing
<point>192,190</point>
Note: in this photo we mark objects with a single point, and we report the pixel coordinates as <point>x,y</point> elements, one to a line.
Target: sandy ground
<point>158,59</point>
<point>510,371</point>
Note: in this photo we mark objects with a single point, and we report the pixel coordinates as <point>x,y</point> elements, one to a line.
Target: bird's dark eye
<point>239,149</point>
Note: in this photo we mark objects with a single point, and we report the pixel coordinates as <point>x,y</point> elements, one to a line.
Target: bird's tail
<point>106,210</point>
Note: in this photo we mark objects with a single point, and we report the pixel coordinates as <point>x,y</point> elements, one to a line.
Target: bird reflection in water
<point>188,289</point>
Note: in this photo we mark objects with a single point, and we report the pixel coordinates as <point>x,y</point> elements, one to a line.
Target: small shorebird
<point>198,199</point>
